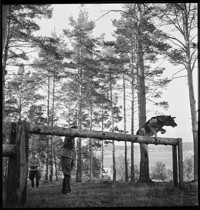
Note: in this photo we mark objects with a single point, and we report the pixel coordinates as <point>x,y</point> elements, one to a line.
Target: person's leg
<point>67,182</point>
<point>31,177</point>
<point>66,167</point>
<point>64,186</point>
<point>32,183</point>
<point>37,183</point>
<point>37,176</point>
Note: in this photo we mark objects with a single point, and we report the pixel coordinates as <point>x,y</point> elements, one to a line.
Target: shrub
<point>159,171</point>
<point>188,169</point>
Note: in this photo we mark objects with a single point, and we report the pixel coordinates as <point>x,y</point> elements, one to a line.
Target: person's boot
<point>32,183</point>
<point>67,181</point>
<point>64,186</point>
<point>37,183</point>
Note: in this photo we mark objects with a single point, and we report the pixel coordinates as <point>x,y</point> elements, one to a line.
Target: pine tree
<point>182,17</point>
<point>135,38</point>
<point>21,93</point>
<point>48,65</point>
<point>82,46</point>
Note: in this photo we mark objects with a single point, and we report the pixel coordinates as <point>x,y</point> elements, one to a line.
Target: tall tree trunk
<point>144,156</point>
<point>56,167</point>
<point>47,158</point>
<point>132,121</point>
<point>125,152</point>
<point>69,112</point>
<point>102,145</point>
<point>5,47</point>
<point>5,15</point>
<point>20,106</point>
<point>112,124</point>
<point>194,122</point>
<point>191,91</point>
<point>91,129</point>
<point>79,161</point>
<point>5,27</point>
<point>52,122</point>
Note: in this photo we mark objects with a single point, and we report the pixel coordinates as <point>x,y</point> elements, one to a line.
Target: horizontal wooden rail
<point>60,131</point>
<point>9,150</point>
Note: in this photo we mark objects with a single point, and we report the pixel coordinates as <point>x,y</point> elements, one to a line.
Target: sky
<point>176,93</point>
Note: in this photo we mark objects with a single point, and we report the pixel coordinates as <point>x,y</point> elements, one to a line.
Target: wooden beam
<point>59,131</point>
<point>9,150</point>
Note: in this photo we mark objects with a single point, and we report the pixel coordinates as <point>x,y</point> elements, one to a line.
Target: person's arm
<point>30,162</point>
<point>38,162</point>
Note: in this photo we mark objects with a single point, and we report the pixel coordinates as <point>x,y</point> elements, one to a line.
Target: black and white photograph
<point>100,104</point>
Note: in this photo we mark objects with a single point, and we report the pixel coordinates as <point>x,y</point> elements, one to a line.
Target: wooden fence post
<point>174,164</point>
<point>22,157</point>
<point>180,162</point>
<point>11,183</point>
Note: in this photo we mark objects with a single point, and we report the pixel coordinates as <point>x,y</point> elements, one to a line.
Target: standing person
<point>34,164</point>
<point>67,153</point>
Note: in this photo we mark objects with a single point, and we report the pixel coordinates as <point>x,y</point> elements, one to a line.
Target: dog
<point>155,124</point>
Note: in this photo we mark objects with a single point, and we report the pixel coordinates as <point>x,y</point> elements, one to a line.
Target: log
<point>60,131</point>
<point>9,150</point>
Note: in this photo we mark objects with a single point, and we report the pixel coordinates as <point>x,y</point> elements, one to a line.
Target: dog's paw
<point>163,131</point>
<point>156,140</point>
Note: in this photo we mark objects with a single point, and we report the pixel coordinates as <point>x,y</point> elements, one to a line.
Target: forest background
<point>42,100</point>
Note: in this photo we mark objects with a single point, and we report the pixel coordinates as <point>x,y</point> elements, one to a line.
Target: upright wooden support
<point>11,183</point>
<point>180,163</point>
<point>8,150</point>
<point>22,157</point>
<point>174,165</point>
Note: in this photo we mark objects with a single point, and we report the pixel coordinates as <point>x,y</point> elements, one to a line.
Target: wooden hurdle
<point>17,151</point>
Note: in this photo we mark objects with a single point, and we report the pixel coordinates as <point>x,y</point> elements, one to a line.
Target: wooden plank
<point>11,183</point>
<point>180,163</point>
<point>23,161</point>
<point>8,150</point>
<point>59,131</point>
<point>174,164</point>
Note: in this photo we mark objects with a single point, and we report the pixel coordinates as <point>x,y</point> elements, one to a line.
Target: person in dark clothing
<point>67,153</point>
<point>34,164</point>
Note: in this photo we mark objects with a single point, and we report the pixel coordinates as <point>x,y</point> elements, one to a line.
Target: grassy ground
<point>109,194</point>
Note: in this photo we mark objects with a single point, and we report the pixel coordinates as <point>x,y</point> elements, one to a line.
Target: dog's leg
<point>154,132</point>
<point>142,132</point>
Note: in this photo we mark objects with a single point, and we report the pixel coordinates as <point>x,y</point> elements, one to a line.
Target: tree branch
<point>171,37</point>
<point>173,23</point>
<point>178,77</point>
<point>178,72</point>
<point>194,63</point>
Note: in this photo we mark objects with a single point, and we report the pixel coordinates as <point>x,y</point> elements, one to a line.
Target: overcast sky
<point>177,92</point>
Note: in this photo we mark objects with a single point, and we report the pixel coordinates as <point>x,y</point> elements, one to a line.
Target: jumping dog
<point>155,124</point>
